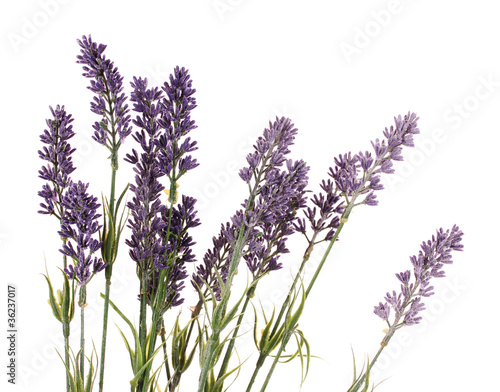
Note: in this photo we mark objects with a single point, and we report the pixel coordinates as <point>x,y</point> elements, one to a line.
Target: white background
<point>341,71</point>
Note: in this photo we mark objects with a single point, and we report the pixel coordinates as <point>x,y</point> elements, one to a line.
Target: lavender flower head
<point>146,207</point>
<point>79,225</point>
<point>160,239</point>
<point>109,101</point>
<point>270,212</point>
<point>356,176</point>
<point>428,264</point>
<point>176,121</point>
<point>57,153</point>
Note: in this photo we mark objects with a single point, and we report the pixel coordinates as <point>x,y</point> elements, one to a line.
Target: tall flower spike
<point>282,196</point>
<point>428,264</point>
<point>358,175</point>
<point>146,248</point>
<point>176,120</point>
<point>109,101</point>
<point>178,244</point>
<point>57,153</point>
<point>275,197</point>
<point>79,225</point>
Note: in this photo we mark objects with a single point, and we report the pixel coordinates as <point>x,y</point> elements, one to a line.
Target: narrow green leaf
<point>138,349</point>
<point>66,298</point>
<point>72,383</point>
<point>138,375</point>
<point>130,351</point>
<point>52,300</point>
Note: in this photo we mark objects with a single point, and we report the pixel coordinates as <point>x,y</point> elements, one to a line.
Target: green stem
<point>220,311</point>
<point>275,362</point>
<point>284,342</point>
<point>109,268</point>
<point>104,334</point>
<point>66,351</point>
<point>368,369</point>
<point>232,342</point>
<point>82,303</point>
<point>142,320</point>
<point>258,365</point>
<point>325,256</point>
<point>284,307</point>
<point>165,355</point>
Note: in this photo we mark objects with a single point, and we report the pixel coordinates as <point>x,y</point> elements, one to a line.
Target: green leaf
<point>72,383</point>
<point>66,299</point>
<point>232,314</point>
<point>52,300</point>
<point>129,349</point>
<point>293,320</point>
<point>138,358</point>
<point>138,375</point>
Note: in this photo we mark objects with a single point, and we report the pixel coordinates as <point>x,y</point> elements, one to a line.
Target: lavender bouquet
<point>160,240</point>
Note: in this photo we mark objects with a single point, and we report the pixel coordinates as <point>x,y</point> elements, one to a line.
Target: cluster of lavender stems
<point>161,242</point>
<point>354,181</point>
<point>76,211</point>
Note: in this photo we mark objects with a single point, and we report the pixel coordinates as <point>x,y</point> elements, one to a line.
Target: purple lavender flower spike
<point>428,264</point>
<point>178,245</point>
<point>160,239</point>
<point>145,208</point>
<point>57,153</point>
<point>109,101</point>
<point>358,175</point>
<point>270,217</point>
<point>79,225</point>
<point>176,120</point>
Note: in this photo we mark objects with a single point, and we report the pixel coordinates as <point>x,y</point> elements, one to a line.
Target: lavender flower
<point>282,196</point>
<point>176,120</point>
<point>110,101</point>
<point>270,212</point>
<point>160,239</point>
<point>358,175</point>
<point>428,264</point>
<point>79,224</point>
<point>146,207</point>
<point>58,155</point>
<point>178,245</point>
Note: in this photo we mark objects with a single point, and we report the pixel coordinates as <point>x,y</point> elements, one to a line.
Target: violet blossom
<point>109,101</point>
<point>146,247</point>
<point>358,175</point>
<point>270,212</point>
<point>57,153</point>
<point>407,303</point>
<point>79,225</point>
<point>160,239</point>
